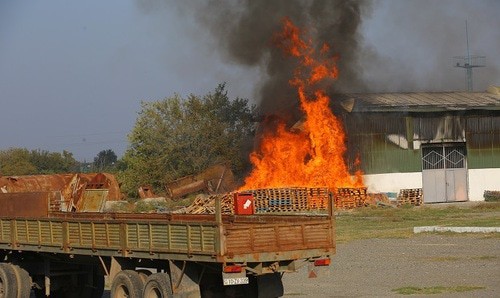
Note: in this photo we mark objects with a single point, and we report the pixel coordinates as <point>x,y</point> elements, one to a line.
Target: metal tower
<point>468,62</point>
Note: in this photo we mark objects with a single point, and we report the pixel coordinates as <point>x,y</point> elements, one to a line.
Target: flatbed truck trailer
<point>159,255</point>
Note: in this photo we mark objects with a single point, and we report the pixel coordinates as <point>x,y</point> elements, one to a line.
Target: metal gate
<point>444,173</point>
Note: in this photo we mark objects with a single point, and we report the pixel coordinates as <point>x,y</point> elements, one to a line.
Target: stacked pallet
<point>350,198</point>
<point>269,200</point>
<point>293,199</point>
<point>491,196</point>
<point>410,196</point>
<point>206,205</point>
<point>318,198</point>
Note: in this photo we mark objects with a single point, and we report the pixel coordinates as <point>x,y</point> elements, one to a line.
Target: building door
<point>444,172</point>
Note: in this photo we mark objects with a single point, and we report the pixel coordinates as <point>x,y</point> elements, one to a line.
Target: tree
<point>16,161</point>
<point>20,161</point>
<point>105,160</point>
<point>53,162</point>
<point>176,137</point>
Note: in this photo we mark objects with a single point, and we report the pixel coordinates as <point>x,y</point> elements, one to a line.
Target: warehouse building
<point>447,143</point>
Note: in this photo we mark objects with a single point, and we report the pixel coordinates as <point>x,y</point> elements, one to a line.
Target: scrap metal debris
<point>83,192</point>
<point>214,180</point>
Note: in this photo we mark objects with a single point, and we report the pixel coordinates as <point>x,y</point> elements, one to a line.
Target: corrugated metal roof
<point>419,101</point>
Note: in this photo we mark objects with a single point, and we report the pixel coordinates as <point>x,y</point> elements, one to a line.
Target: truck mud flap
<point>269,285</point>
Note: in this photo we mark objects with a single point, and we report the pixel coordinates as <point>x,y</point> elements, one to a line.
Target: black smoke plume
<point>244,30</point>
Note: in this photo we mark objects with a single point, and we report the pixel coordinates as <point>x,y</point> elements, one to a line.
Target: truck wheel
<point>24,282</point>
<point>144,274</point>
<point>8,281</point>
<point>127,284</point>
<point>158,286</point>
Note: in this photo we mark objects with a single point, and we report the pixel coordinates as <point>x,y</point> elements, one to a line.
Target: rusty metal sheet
<point>215,179</point>
<point>104,181</point>
<point>28,204</point>
<point>186,186</point>
<point>71,186</point>
<point>33,183</point>
<point>92,200</point>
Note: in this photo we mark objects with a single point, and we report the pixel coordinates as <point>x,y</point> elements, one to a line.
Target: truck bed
<point>201,238</point>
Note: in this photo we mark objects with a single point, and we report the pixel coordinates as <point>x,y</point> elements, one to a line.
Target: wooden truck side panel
<point>161,240</point>
<point>250,242</point>
<point>237,239</point>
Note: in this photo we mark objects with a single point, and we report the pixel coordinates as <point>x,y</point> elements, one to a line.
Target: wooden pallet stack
<point>411,196</point>
<point>491,196</point>
<point>350,198</point>
<point>318,198</point>
<point>272,200</point>
<point>293,199</point>
<point>269,200</point>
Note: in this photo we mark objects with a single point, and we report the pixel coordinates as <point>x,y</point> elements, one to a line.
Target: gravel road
<point>374,267</point>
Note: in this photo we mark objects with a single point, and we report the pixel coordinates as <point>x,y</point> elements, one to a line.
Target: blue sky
<point>73,73</point>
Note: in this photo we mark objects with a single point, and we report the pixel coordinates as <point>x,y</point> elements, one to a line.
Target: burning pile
<point>268,200</point>
<point>312,156</point>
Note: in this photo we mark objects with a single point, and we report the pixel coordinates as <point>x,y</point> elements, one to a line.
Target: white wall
<point>392,182</point>
<point>479,181</point>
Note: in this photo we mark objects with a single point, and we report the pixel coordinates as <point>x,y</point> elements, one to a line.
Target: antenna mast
<point>468,62</point>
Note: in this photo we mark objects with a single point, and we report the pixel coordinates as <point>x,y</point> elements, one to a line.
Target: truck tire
<point>127,283</point>
<point>144,274</point>
<point>8,281</point>
<point>158,286</point>
<point>24,282</point>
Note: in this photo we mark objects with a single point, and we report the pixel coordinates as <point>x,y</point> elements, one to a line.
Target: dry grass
<point>370,222</point>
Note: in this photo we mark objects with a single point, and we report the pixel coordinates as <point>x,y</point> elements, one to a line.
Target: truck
<point>240,253</point>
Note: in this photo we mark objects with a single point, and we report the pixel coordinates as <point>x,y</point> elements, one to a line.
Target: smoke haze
<point>409,45</point>
<point>383,46</point>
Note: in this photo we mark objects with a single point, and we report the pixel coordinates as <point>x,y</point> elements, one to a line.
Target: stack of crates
<point>411,196</point>
<point>350,198</point>
<point>294,199</point>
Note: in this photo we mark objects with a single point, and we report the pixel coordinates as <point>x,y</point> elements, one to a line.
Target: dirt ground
<point>374,267</point>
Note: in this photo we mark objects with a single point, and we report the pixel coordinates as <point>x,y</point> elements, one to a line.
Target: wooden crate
<point>411,196</point>
<point>293,199</point>
<point>349,198</point>
<point>269,200</point>
<point>206,205</point>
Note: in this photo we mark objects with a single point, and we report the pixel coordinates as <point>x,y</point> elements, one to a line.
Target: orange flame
<point>314,155</point>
